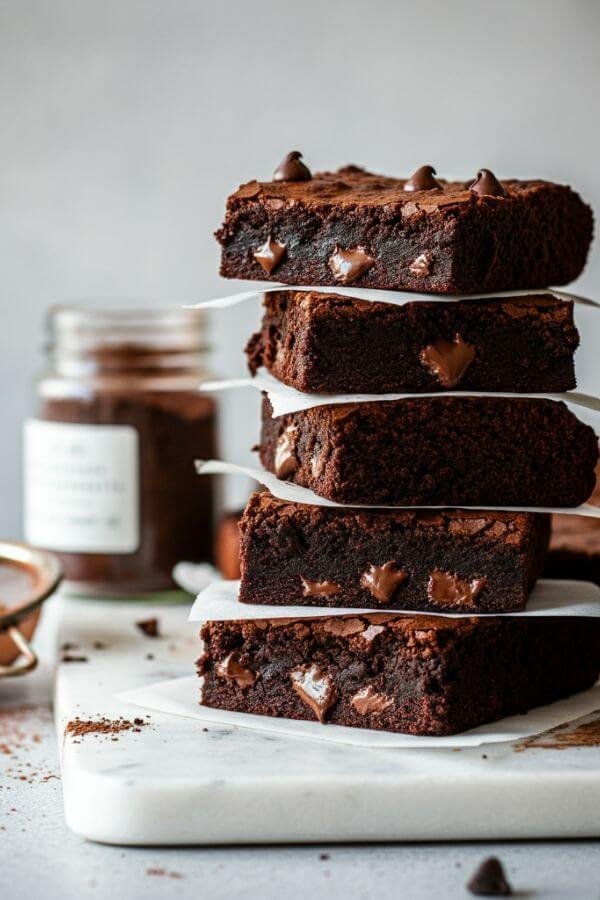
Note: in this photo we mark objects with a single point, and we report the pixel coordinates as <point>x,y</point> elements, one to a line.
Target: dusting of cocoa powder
<point>78,728</point>
<point>564,737</point>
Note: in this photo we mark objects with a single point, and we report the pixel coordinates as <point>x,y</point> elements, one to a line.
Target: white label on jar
<point>81,487</point>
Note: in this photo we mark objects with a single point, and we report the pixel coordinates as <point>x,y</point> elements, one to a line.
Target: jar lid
<point>77,328</point>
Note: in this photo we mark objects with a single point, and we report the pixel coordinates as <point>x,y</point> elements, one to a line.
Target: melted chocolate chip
<point>382,581</point>
<point>269,255</point>
<point>368,701</point>
<point>348,265</point>
<point>487,184</point>
<point>286,461</point>
<point>231,669</point>
<point>315,688</point>
<point>448,360</point>
<point>319,588</point>
<point>423,180</point>
<point>421,266</point>
<point>489,880</point>
<point>448,589</point>
<point>291,168</point>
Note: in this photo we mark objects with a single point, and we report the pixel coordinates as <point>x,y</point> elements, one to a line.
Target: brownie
<point>414,674</point>
<point>450,561</point>
<point>575,546</point>
<point>354,227</point>
<point>430,451</point>
<point>227,545</point>
<point>325,343</point>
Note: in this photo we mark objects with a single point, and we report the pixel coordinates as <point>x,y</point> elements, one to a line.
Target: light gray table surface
<point>39,857</point>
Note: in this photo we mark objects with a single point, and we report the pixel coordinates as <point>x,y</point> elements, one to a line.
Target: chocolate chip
<point>348,265</point>
<point>489,880</point>
<point>149,627</point>
<point>269,255</point>
<point>450,590</point>
<point>448,360</point>
<point>367,701</point>
<point>319,588</point>
<point>285,459</point>
<point>487,184</point>
<point>382,581</point>
<point>423,180</point>
<point>421,266</point>
<point>315,688</point>
<point>231,670</point>
<point>291,168</point>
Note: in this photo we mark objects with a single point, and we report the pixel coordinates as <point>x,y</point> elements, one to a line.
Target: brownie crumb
<point>324,856</point>
<point>163,873</point>
<point>110,727</point>
<point>71,658</point>
<point>489,880</point>
<point>149,627</point>
<point>99,645</point>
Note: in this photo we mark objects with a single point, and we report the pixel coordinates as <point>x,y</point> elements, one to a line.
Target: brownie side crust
<point>428,451</point>
<point>326,343</point>
<point>451,561</point>
<point>352,226</point>
<point>418,675</point>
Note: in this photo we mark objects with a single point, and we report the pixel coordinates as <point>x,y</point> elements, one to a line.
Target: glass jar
<point>110,483</point>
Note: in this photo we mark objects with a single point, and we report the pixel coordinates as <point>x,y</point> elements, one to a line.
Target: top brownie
<point>354,227</point>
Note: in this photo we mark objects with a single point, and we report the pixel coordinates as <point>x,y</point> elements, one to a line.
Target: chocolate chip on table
<point>489,880</point>
<point>149,627</point>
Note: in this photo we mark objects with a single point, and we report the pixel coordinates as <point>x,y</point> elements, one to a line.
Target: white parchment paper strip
<point>180,697</point>
<point>397,298</point>
<point>219,601</point>
<point>285,399</point>
<point>294,493</point>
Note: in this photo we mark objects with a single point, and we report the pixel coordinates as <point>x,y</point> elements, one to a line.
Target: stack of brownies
<point>421,673</point>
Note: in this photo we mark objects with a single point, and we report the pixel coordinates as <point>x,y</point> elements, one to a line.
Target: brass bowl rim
<point>47,569</point>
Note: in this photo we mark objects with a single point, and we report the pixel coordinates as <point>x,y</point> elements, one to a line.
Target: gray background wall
<point>125,123</point>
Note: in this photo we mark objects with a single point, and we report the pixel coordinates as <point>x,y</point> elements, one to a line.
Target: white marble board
<point>177,783</point>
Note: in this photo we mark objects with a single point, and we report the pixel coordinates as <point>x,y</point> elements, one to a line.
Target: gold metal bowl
<point>32,575</point>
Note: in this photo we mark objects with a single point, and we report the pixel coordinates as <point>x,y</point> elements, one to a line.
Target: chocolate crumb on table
<point>413,674</point>
<point>489,880</point>
<point>71,658</point>
<point>149,627</point>
<point>435,451</point>
<point>442,560</point>
<point>314,342</point>
<point>355,227</point>
<point>78,728</point>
